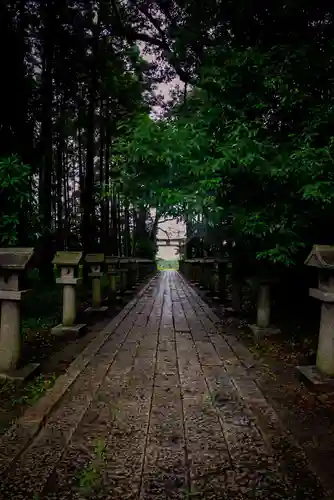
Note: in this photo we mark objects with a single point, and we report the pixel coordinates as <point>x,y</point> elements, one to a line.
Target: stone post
<point>95,261</point>
<point>236,295</point>
<point>13,262</point>
<point>262,327</point>
<point>202,277</point>
<point>263,306</point>
<point>186,270</point>
<point>208,271</point>
<point>192,271</point>
<point>145,267</point>
<point>68,263</point>
<point>199,271</point>
<point>322,374</point>
<point>132,274</point>
<point>236,280</point>
<point>140,270</point>
<point>216,290</point>
<point>112,262</point>
<point>222,276</point>
<point>123,269</point>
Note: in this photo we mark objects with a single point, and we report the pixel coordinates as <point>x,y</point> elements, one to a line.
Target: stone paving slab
<point>161,405</point>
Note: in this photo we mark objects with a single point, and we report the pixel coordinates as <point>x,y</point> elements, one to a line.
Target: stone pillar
<point>68,263</point>
<point>325,351</point>
<point>96,290</point>
<point>263,306</point>
<point>262,327</point>
<point>208,271</point>
<point>222,273</point>
<point>145,268</point>
<point>112,281</point>
<point>216,284</point>
<point>140,271</point>
<point>236,295</point>
<point>10,336</point>
<point>192,273</point>
<point>199,272</point>
<point>112,275</point>
<point>186,268</point>
<point>69,305</point>
<point>123,270</point>
<point>202,279</point>
<point>236,288</point>
<point>132,274</point>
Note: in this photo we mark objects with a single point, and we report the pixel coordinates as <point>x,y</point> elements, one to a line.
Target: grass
<point>35,389</point>
<point>28,394</point>
<point>90,477</point>
<point>167,265</point>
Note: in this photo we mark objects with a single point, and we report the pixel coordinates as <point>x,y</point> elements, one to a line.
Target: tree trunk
<point>45,143</point>
<point>89,230</point>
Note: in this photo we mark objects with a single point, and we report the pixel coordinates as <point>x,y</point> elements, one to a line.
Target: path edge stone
<point>20,434</point>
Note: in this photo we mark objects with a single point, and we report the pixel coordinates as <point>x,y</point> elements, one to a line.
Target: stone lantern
<point>13,262</point>
<point>124,267</point>
<point>68,263</point>
<point>322,374</point>
<point>95,261</point>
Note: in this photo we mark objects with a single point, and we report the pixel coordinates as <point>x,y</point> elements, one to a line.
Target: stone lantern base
<point>312,376</point>
<point>61,329</point>
<point>260,332</point>
<point>232,311</point>
<point>21,374</point>
<point>96,309</point>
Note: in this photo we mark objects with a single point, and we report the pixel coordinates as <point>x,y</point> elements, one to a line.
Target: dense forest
<point>243,148</point>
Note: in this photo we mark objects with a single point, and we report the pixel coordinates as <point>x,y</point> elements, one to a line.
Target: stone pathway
<point>161,405</point>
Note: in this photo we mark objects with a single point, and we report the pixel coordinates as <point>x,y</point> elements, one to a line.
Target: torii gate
<point>176,242</point>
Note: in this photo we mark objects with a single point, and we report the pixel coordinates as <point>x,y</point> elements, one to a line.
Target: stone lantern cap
<point>124,260</point>
<point>111,259</point>
<point>94,258</point>
<point>223,260</point>
<point>15,259</point>
<point>321,256</point>
<point>67,259</point>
